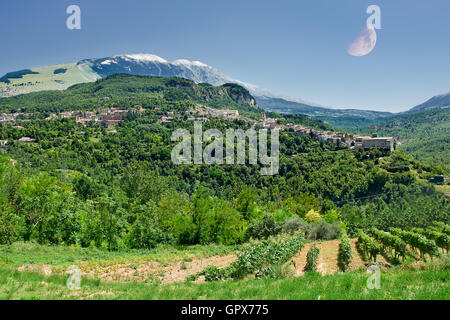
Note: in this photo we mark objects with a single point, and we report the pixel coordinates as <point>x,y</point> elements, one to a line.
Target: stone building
<point>386,143</point>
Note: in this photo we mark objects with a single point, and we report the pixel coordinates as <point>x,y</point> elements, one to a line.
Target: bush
<point>282,215</point>
<point>182,228</point>
<point>390,241</point>
<point>270,272</point>
<point>264,259</point>
<point>212,273</point>
<point>293,225</point>
<point>8,232</point>
<point>145,234</point>
<point>417,241</point>
<point>221,227</point>
<point>442,227</point>
<point>260,255</point>
<point>331,216</point>
<point>264,228</point>
<point>313,216</point>
<point>324,231</point>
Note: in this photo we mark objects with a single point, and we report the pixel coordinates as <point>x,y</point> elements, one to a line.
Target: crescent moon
<point>364,43</point>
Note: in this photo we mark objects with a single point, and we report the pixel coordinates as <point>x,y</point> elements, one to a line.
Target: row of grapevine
<point>345,252</point>
<point>441,239</point>
<point>368,246</point>
<point>442,227</point>
<point>258,258</point>
<point>390,242</point>
<point>417,241</point>
<point>311,259</point>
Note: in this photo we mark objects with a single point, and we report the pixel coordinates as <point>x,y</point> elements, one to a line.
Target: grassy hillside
<point>126,91</point>
<point>45,78</point>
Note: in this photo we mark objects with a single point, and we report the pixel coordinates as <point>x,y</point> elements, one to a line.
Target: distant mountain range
<point>60,77</point>
<point>437,101</point>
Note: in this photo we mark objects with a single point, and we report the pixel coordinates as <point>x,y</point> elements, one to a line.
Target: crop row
<point>441,227</point>
<point>390,242</point>
<point>417,242</point>
<point>260,258</point>
<point>368,246</point>
<point>345,252</point>
<point>441,239</point>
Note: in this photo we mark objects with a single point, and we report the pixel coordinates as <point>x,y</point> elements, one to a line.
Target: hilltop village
<point>345,140</point>
<point>111,117</point>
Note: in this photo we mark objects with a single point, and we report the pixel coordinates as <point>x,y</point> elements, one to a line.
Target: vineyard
<point>398,244</point>
<point>271,258</point>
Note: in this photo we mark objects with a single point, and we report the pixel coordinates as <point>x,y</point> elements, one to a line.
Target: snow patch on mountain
<point>188,63</point>
<point>141,57</point>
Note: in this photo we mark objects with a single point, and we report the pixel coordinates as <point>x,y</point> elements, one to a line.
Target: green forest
<point>423,135</point>
<point>88,186</point>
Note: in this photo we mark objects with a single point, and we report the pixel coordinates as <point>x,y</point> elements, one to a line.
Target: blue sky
<point>292,47</point>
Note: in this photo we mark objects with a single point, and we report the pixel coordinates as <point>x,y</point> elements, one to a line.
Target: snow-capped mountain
<point>199,72</point>
<point>63,76</point>
<point>152,65</point>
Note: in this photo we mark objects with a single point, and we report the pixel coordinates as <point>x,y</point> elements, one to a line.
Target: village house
<point>164,119</point>
<point>170,115</point>
<point>224,114</point>
<point>7,118</point>
<point>26,140</point>
<point>386,143</point>
<point>52,117</point>
<point>68,115</point>
<point>87,117</point>
<point>110,119</point>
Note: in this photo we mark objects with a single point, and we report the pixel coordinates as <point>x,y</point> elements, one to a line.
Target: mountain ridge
<point>442,100</point>
<point>89,70</point>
